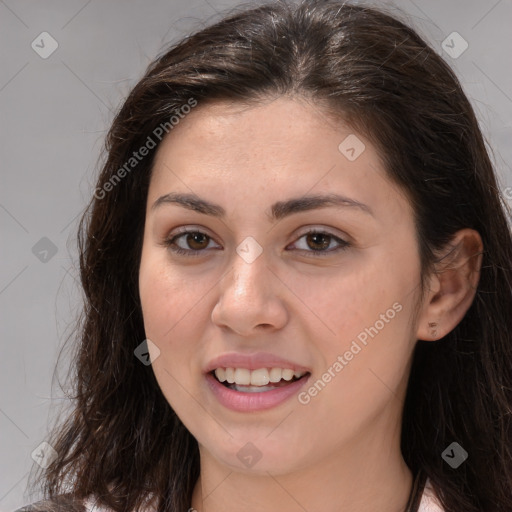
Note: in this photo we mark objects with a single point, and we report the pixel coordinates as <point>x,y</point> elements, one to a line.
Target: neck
<point>362,477</point>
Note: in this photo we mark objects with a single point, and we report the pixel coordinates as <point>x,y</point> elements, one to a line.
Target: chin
<point>258,457</point>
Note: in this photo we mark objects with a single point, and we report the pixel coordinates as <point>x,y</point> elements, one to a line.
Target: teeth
<point>259,377</point>
<point>287,374</point>
<point>242,377</point>
<point>221,374</point>
<point>230,375</point>
<point>275,374</point>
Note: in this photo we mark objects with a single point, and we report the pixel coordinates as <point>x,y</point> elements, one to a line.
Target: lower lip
<point>246,402</point>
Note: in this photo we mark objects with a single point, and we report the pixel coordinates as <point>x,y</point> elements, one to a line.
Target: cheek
<point>167,295</point>
<point>169,318</point>
<point>175,312</point>
<point>366,312</point>
<point>163,313</point>
<point>158,307</point>
<point>343,303</point>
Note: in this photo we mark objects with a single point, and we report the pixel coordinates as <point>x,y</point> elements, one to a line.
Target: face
<point>246,272</point>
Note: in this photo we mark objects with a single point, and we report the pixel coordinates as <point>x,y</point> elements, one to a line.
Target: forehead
<point>273,135</point>
<point>281,148</point>
<point>284,120</point>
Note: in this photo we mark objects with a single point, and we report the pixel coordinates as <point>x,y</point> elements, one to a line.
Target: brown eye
<point>196,240</point>
<point>319,241</point>
<point>189,243</point>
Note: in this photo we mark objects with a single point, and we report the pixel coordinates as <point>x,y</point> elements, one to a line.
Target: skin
<point>340,451</point>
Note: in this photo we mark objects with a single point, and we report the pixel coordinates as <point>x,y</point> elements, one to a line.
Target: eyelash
<point>170,243</point>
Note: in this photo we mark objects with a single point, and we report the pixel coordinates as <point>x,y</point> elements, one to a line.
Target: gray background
<point>54,115</point>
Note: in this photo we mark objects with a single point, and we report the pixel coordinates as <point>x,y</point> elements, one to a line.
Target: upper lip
<point>252,362</point>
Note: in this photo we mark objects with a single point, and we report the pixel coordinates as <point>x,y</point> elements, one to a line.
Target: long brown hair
<point>121,440</point>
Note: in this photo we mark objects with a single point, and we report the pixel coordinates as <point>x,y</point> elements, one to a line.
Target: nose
<point>250,299</point>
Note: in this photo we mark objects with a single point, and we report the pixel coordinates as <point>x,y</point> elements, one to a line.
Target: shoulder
<point>69,503</point>
<point>52,506</point>
<point>429,501</point>
<point>91,504</point>
<point>61,503</point>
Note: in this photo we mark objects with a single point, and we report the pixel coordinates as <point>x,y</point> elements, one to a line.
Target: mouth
<point>257,381</point>
<point>249,383</point>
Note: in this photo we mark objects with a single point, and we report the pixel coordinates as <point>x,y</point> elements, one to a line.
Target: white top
<point>428,503</point>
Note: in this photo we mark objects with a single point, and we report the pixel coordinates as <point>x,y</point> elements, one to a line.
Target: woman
<point>296,266</point>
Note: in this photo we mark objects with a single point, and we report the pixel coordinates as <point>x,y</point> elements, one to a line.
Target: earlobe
<point>454,282</point>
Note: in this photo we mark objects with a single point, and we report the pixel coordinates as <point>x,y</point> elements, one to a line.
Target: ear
<point>452,286</point>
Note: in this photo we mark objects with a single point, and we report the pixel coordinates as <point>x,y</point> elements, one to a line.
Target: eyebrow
<point>279,210</point>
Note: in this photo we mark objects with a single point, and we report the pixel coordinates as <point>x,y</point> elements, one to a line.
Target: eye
<point>197,241</point>
<point>319,241</point>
